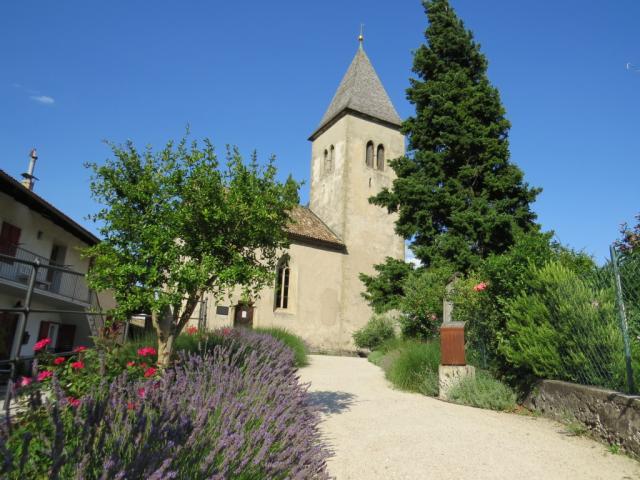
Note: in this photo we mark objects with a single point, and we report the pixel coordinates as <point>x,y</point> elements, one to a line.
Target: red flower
<point>44,375</point>
<point>479,287</point>
<point>77,365</point>
<point>144,351</point>
<point>141,392</point>
<point>74,402</point>
<point>192,330</point>
<point>80,348</point>
<point>41,344</point>
<point>24,381</point>
<point>131,364</point>
<point>131,405</point>
<point>143,364</point>
<point>59,360</point>
<point>149,372</point>
<point>225,331</point>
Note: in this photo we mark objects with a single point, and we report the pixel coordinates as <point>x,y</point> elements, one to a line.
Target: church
<point>317,291</point>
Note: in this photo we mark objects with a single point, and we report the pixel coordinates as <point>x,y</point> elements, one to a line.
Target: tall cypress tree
<point>458,196</point>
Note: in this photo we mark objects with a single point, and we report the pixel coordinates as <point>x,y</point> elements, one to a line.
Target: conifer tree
<point>458,196</point>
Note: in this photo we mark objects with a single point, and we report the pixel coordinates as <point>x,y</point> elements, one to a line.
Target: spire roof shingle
<point>361,91</point>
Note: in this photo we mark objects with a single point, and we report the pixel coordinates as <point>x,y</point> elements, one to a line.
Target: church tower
<point>357,136</point>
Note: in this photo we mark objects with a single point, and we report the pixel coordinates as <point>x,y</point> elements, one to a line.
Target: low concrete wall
<point>610,415</point>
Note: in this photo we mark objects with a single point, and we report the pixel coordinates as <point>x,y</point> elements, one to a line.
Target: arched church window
<point>326,159</point>
<point>283,275</point>
<point>332,152</point>
<point>380,158</point>
<point>369,157</point>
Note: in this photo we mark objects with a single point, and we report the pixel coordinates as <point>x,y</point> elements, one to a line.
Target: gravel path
<point>377,432</point>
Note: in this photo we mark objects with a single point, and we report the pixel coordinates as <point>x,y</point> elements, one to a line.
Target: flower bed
<point>236,412</point>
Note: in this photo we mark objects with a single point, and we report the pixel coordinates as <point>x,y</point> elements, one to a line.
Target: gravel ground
<point>377,432</point>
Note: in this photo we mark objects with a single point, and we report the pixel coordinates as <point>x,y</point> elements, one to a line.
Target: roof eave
<point>349,111</point>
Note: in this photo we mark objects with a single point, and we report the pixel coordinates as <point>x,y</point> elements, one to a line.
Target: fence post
<point>14,356</point>
<point>622,314</point>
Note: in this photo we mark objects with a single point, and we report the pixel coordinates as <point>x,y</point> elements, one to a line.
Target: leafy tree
<point>176,224</point>
<point>458,196</point>
<point>421,305</point>
<point>385,290</point>
<point>630,237</point>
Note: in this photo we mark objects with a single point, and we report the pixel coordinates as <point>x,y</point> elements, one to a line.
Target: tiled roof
<point>306,226</point>
<point>35,202</point>
<point>361,91</point>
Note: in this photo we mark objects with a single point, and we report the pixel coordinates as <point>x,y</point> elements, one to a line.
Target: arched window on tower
<point>380,158</point>
<point>369,156</point>
<point>332,153</point>
<point>283,275</point>
<point>326,159</point>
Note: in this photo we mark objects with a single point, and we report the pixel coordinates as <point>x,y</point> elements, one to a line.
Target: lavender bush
<point>237,412</point>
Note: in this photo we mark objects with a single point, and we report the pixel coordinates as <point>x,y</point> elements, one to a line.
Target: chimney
<point>28,178</point>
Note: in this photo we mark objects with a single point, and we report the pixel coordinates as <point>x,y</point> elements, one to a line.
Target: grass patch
<point>483,391</point>
<point>414,367</point>
<point>294,342</point>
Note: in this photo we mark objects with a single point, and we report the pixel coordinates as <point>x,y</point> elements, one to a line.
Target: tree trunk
<point>166,330</point>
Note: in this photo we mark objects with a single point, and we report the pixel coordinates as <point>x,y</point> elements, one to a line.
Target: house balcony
<point>61,286</point>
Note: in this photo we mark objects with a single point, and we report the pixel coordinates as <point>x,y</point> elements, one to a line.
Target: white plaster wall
<point>31,223</point>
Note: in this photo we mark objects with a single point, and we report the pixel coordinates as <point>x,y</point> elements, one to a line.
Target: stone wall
<point>612,416</point>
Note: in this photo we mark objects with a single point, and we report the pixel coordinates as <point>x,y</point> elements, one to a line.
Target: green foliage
<point>378,329</point>
<point>506,276</point>
<point>483,391</point>
<point>565,327</point>
<point>171,232</point>
<point>422,304</point>
<point>385,290</point>
<point>415,367</point>
<point>458,196</point>
<point>292,341</point>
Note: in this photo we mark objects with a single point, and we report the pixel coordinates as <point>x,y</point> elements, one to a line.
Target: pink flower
<point>433,317</point>
<point>225,331</point>
<point>24,381</point>
<point>41,344</point>
<point>149,372</point>
<point>141,392</point>
<point>77,365</point>
<point>480,287</point>
<point>192,330</point>
<point>59,360</point>
<point>131,364</point>
<point>74,402</point>
<point>144,351</point>
<point>44,375</point>
<point>80,348</point>
<point>131,405</point>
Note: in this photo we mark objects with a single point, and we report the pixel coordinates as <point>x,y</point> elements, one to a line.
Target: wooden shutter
<point>9,238</point>
<point>44,330</point>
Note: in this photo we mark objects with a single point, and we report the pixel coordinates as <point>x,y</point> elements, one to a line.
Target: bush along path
<point>377,431</point>
<point>234,411</point>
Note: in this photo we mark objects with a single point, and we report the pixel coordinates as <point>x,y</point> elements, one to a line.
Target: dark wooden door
<point>8,324</point>
<point>243,316</point>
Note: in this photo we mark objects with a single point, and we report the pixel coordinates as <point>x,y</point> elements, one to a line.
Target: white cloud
<point>45,100</point>
<point>410,257</point>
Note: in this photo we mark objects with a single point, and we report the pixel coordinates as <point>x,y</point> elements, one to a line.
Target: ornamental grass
<point>235,412</point>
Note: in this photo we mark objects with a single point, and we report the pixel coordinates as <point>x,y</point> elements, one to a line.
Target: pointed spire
<point>360,91</point>
<point>361,36</point>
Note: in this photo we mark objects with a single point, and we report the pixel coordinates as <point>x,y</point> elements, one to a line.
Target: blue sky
<point>260,75</point>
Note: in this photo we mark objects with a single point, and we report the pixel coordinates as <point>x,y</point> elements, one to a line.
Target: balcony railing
<point>64,282</point>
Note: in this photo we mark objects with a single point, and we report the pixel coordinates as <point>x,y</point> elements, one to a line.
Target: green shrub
<point>415,367</point>
<point>421,306</point>
<point>483,391</point>
<point>294,342</point>
<point>377,331</point>
<point>506,276</point>
<point>565,327</point>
